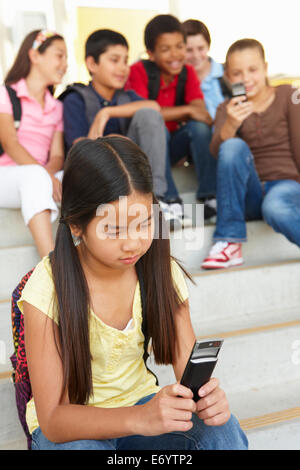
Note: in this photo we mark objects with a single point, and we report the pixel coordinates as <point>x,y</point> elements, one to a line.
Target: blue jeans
<point>200,437</point>
<point>192,139</point>
<point>242,196</point>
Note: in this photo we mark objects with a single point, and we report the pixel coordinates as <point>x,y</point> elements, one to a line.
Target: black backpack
<point>225,88</point>
<point>17,110</point>
<point>153,74</point>
<point>92,104</point>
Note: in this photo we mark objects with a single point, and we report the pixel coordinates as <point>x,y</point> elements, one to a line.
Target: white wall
<point>275,23</point>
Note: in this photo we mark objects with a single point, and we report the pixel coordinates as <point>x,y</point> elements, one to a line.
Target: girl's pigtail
<point>72,296</point>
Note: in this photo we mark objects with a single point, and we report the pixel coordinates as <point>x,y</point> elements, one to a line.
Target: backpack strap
<point>226,92</point>
<point>181,87</point>
<point>92,105</point>
<point>153,74</point>
<point>20,374</point>
<point>123,98</point>
<point>16,107</point>
<point>88,96</point>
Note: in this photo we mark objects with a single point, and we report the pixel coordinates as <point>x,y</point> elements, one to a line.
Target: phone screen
<point>238,89</point>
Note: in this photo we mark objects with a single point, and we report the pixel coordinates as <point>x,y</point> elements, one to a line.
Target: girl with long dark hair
<point>83,319</point>
<point>33,155</point>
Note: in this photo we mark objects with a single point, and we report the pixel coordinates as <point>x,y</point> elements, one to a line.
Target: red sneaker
<point>223,255</point>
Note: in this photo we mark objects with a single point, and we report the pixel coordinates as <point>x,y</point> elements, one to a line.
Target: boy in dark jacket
<point>103,107</point>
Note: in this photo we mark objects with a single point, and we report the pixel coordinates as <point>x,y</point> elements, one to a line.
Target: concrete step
<point>6,341</point>
<point>13,230</point>
<point>220,301</point>
<point>270,416</point>
<point>11,431</point>
<point>284,435</point>
<point>190,245</point>
<point>19,444</point>
<point>260,372</point>
<point>263,406</point>
<point>240,298</point>
<point>264,246</point>
<point>14,263</point>
<point>278,429</point>
<point>256,359</point>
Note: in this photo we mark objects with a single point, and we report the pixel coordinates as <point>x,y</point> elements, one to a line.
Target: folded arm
<point>194,110</point>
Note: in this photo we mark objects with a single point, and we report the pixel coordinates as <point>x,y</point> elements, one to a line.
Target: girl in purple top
<point>30,167</point>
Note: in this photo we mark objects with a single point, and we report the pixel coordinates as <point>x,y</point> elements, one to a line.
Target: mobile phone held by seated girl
<point>200,366</point>
<point>238,89</point>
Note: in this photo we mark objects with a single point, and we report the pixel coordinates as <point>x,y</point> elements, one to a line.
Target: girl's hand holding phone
<point>169,410</point>
<point>238,109</point>
<point>213,407</point>
<point>172,407</point>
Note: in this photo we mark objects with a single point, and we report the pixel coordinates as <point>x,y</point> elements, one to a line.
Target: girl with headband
<point>33,155</point>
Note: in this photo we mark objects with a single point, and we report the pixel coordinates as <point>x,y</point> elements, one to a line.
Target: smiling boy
<point>187,120</point>
<point>103,107</point>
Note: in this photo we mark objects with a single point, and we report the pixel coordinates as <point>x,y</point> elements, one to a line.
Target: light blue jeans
<point>192,139</point>
<point>201,437</point>
<point>242,196</point>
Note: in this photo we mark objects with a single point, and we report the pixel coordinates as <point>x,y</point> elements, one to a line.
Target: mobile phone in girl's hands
<point>238,89</point>
<point>201,364</point>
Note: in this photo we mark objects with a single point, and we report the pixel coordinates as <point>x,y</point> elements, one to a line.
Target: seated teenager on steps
<point>188,123</point>
<point>83,320</point>
<point>113,110</point>
<point>210,74</point>
<point>33,156</point>
<point>257,143</point>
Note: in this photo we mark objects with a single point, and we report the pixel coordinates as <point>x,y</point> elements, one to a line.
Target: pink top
<point>37,126</point>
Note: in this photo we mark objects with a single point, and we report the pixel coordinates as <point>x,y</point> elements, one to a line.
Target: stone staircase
<point>255,308</point>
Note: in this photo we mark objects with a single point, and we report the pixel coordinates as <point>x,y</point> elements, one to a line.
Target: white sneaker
<point>177,210</point>
<point>174,222</point>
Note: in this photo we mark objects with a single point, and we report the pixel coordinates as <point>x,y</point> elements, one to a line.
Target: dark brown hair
<point>98,172</point>
<point>243,44</point>
<point>21,66</point>
<point>194,27</point>
<point>159,25</point>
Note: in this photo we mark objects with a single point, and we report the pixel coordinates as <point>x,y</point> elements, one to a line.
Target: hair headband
<point>41,37</point>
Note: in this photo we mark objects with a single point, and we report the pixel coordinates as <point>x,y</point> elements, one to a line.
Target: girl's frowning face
<point>121,232</point>
<point>247,66</point>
